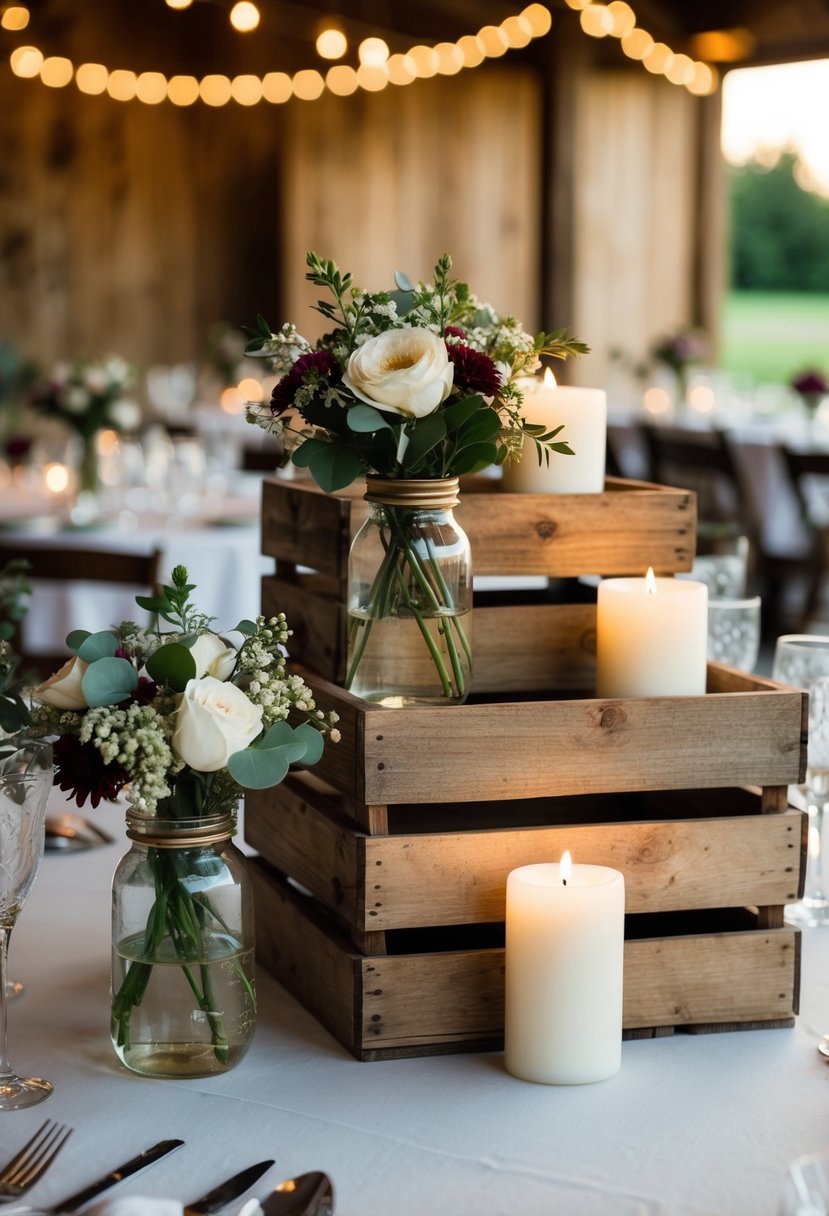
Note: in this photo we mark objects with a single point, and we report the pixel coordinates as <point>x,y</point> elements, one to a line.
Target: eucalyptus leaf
<point>314,742</point>
<point>172,666</point>
<point>402,280</point>
<point>403,301</point>
<point>335,467</point>
<point>365,419</point>
<point>303,455</point>
<point>77,638</point>
<point>108,681</point>
<point>246,627</point>
<point>98,646</point>
<point>258,768</point>
<point>426,435</point>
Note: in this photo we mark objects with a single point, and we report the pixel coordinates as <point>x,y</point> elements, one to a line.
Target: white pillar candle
<point>651,637</point>
<point>583,413</point>
<point>564,971</point>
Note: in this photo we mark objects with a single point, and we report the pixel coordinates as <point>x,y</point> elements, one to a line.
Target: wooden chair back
<point>806,470</point>
<point>57,565</point>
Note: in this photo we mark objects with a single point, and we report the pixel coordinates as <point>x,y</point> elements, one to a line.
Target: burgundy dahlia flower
<point>80,771</point>
<point>321,362</point>
<point>474,371</point>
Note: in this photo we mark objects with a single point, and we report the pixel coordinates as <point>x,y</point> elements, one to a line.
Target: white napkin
<point>137,1205</point>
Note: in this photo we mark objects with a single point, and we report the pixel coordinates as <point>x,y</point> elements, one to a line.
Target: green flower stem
<point>450,604</point>
<point>424,629</point>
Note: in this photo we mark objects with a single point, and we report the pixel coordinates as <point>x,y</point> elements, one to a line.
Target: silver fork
<point>33,1160</point>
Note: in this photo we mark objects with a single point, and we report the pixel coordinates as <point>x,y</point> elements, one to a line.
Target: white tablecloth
<point>691,1126</point>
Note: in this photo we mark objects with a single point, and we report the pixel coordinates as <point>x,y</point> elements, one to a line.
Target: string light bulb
<point>15,17</point>
<point>331,43</point>
<point>244,16</point>
<point>179,4</point>
<point>373,52</point>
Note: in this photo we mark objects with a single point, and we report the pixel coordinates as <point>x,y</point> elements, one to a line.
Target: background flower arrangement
<point>418,382</point>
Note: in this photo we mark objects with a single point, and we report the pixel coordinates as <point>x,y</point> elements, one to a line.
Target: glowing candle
<point>564,972</point>
<point>651,637</point>
<point>583,413</point>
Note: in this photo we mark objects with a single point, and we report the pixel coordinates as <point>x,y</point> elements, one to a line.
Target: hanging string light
<point>377,68</point>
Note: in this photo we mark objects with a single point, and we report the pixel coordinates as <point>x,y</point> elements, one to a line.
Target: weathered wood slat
<point>482,752</point>
<point>621,531</point>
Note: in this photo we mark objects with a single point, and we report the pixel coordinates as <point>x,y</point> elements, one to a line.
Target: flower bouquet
<point>87,396</point>
<point>679,351</point>
<point>811,386</point>
<point>412,387</point>
<point>179,723</point>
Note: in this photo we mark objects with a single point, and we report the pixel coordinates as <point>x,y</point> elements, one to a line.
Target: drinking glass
<point>802,660</point>
<point>734,632</point>
<point>25,782</point>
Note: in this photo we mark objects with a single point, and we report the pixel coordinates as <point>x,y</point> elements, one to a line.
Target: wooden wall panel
<point>390,181</point>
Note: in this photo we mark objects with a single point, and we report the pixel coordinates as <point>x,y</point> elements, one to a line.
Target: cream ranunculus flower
<point>213,656</point>
<point>214,720</point>
<point>63,689</point>
<point>404,370</point>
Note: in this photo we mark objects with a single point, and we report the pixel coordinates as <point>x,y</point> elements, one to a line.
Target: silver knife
<point>117,1175</point>
<point>308,1195</point>
<point>227,1191</point>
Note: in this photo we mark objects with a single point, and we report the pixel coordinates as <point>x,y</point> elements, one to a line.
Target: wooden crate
<point>746,730</point>
<point>631,526</point>
<point>697,971</point>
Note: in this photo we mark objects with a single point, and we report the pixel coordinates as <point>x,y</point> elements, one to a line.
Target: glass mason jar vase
<point>410,597</point>
<point>183,1001</point>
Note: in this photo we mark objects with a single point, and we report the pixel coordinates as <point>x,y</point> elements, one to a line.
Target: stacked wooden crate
<point>381,877</point>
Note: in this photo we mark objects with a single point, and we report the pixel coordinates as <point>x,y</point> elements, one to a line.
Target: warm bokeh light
<point>26,61</point>
<point>183,90</point>
<point>450,58</point>
<point>658,59</point>
<point>472,51</point>
<point>596,20</point>
<point>539,19</point>
<point>399,71</point>
<point>622,16</point>
<point>577,4</point>
<point>277,88</point>
<point>214,90</point>
<point>56,71</point>
<point>151,88</point>
<point>92,78</point>
<point>15,17</point>
<point>704,82</point>
<point>122,85</point>
<point>55,477</point>
<point>372,79</point>
<point>494,41</point>
<point>331,43</point>
<point>518,31</point>
<point>681,70</point>
<point>307,84</point>
<point>231,401</point>
<point>423,61</point>
<point>637,43</point>
<point>179,4</point>
<point>250,389</point>
<point>723,46</point>
<point>341,80</point>
<point>246,90</point>
<point>656,400</point>
<point>701,398</point>
<point>373,52</point>
<point>244,16</point>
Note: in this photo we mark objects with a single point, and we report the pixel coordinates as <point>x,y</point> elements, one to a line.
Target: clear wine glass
<point>802,660</point>
<point>25,782</point>
<point>734,632</point>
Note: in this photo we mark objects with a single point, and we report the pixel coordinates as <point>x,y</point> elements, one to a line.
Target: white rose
<point>215,719</point>
<point>404,370</point>
<point>125,415</point>
<point>213,657</point>
<point>63,689</point>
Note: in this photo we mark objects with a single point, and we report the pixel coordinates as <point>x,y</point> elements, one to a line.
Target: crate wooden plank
<point>718,859</point>
<point>753,734</point>
<point>562,654</point>
<point>625,529</point>
<point>453,1000</point>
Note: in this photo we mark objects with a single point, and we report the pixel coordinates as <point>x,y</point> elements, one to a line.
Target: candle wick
<point>564,881</point>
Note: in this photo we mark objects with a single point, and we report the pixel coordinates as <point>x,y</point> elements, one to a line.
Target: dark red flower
<point>144,691</point>
<point>80,771</point>
<point>474,371</point>
<point>452,331</point>
<point>321,362</point>
<point>810,382</point>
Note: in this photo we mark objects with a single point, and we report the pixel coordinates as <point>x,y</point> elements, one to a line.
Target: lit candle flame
<point>549,379</point>
<point>56,477</point>
<point>650,582</point>
<point>565,867</point>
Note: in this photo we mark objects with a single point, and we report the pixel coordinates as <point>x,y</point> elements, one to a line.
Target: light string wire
<point>616,20</point>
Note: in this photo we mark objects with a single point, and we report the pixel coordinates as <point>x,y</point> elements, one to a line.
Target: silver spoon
<point>307,1195</point>
<point>823,1046</point>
